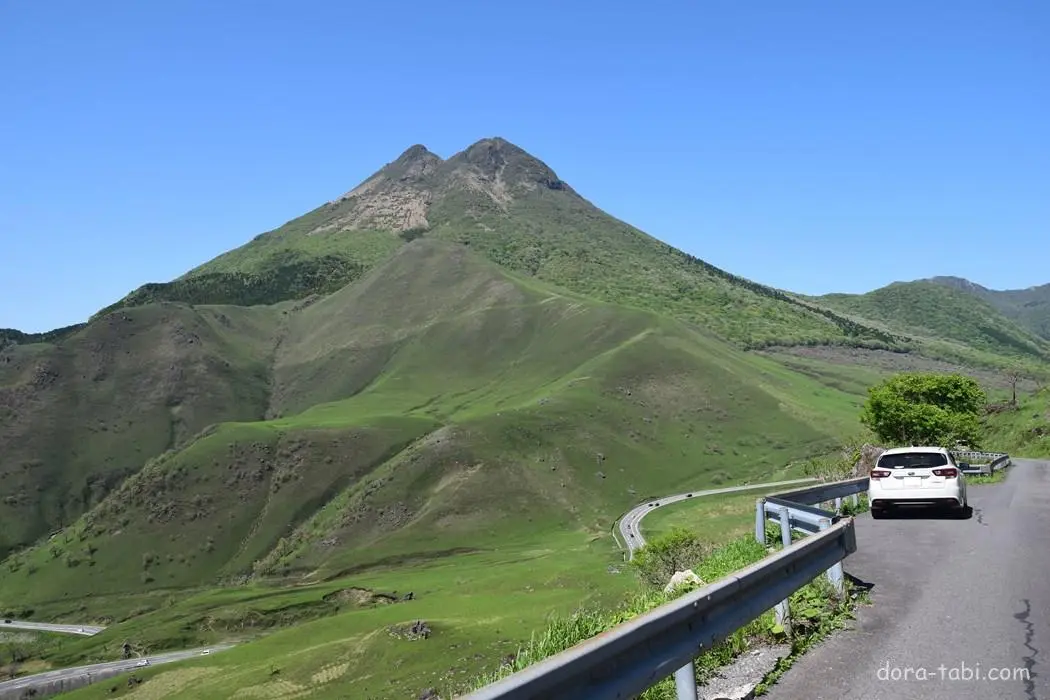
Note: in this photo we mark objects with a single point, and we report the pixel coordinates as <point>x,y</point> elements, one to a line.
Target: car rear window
<point>913,460</point>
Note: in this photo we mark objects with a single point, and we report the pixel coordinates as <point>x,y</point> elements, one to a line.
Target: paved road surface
<point>127,665</point>
<point>630,524</point>
<point>84,630</point>
<point>945,592</point>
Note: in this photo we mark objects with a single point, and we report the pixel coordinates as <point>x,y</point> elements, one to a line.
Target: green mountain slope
<point>513,209</point>
<point>939,312</point>
<point>85,410</point>
<point>1022,430</point>
<point>438,405</point>
<point>1030,308</point>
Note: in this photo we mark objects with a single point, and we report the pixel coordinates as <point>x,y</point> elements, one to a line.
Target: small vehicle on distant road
<point>920,476</point>
<point>143,662</point>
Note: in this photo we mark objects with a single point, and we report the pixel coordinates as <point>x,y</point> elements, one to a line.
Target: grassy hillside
<point>938,312</point>
<point>488,406</point>
<point>1030,308</point>
<point>80,413</point>
<point>513,209</point>
<point>1023,431</point>
<point>480,610</point>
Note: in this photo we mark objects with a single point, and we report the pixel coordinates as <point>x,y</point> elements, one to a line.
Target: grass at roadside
<point>1023,431</point>
<point>23,652</point>
<point>712,518</point>
<point>993,478</point>
<point>815,609</point>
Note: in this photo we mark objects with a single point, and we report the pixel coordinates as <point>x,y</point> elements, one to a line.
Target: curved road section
<point>96,672</point>
<point>630,523</point>
<point>83,630</point>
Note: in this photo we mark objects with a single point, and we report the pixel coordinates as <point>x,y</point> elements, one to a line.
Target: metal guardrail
<point>628,659</point>
<point>797,510</point>
<point>984,463</point>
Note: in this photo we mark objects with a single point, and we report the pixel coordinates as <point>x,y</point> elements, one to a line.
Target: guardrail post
<point>685,682</point>
<point>838,505</point>
<point>760,521</point>
<point>835,572</point>
<point>856,501</point>
<point>782,613</point>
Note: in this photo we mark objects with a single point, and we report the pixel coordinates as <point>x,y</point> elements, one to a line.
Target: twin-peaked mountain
<point>452,352</point>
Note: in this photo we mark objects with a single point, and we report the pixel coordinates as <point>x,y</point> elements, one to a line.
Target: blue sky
<point>814,146</point>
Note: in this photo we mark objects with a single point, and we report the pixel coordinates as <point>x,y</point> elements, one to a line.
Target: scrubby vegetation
<point>1021,429</point>
<point>926,409</point>
<point>283,279</point>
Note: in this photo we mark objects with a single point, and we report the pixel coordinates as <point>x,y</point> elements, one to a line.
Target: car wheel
<point>878,513</point>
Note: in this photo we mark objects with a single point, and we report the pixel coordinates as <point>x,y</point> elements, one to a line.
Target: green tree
<point>661,557</point>
<point>929,409</point>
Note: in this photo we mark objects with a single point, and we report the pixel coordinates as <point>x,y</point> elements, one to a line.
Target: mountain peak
<point>508,169</point>
<point>416,157</point>
<point>400,195</point>
<point>957,283</point>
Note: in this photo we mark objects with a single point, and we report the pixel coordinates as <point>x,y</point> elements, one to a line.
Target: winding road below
<point>630,523</point>
<point>82,630</point>
<point>108,668</point>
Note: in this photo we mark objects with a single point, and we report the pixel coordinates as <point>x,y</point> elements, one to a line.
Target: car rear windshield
<point>913,460</point>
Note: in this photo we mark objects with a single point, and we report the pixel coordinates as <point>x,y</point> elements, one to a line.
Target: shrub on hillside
<point>661,557</point>
<point>928,409</point>
<point>855,457</point>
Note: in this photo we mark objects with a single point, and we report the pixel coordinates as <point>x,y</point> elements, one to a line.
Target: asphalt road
<point>126,665</point>
<point>83,630</point>
<point>951,597</point>
<point>630,523</point>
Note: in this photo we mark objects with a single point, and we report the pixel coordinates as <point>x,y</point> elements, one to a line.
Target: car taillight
<point>946,472</point>
<point>879,475</point>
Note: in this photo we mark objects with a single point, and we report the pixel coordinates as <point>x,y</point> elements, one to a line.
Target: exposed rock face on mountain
<point>399,197</point>
<point>396,198</point>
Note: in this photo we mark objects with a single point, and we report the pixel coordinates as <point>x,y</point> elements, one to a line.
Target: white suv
<point>916,475</point>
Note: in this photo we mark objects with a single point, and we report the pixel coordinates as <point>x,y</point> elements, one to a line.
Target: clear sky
<point>814,146</point>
